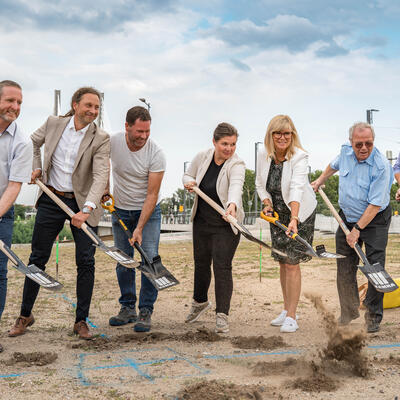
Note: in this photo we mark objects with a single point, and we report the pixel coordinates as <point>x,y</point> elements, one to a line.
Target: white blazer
<point>295,185</point>
<point>229,182</point>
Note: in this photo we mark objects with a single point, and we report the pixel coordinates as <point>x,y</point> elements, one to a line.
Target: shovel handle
<point>7,251</point>
<point>217,207</point>
<point>67,210</point>
<point>275,220</point>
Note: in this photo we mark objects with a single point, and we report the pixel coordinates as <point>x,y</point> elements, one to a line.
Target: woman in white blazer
<point>282,185</point>
<point>219,173</point>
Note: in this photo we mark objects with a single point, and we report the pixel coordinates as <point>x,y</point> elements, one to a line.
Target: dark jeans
<point>216,245</point>
<point>150,240</point>
<point>48,224</point>
<point>375,237</point>
<point>6,230</point>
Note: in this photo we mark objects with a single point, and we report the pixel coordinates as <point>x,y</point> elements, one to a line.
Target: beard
<point>8,116</point>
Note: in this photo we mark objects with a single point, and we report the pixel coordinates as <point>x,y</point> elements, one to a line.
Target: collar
<point>369,160</point>
<point>11,129</point>
<point>71,125</point>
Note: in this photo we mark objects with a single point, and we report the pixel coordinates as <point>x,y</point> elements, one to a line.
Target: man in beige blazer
<point>75,168</point>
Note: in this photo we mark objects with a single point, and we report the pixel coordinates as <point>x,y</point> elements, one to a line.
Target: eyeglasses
<point>359,145</point>
<point>280,134</point>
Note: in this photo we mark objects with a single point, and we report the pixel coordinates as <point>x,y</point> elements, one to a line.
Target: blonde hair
<point>281,123</point>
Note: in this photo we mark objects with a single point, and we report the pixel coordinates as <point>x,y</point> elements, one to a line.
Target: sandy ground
<point>180,361</point>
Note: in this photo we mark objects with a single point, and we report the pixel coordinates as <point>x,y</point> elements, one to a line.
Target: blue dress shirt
<point>362,183</point>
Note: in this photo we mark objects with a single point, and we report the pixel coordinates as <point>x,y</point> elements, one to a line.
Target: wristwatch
<point>86,210</point>
<point>357,227</point>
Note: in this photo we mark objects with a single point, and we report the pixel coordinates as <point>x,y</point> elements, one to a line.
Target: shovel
<point>113,252</point>
<point>240,227</point>
<point>375,273</point>
<point>31,271</point>
<point>155,271</point>
<point>319,251</point>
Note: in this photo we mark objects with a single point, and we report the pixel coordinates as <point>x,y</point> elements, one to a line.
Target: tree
<point>19,211</point>
<point>331,190</point>
<point>248,190</point>
<point>179,198</point>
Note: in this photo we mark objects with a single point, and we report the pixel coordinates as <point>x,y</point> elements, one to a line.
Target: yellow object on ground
<point>390,300</point>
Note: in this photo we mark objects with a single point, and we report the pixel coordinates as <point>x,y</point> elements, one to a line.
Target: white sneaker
<point>289,325</point>
<point>222,324</point>
<point>279,320</point>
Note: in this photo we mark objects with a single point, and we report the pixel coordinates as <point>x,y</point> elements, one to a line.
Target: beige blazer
<point>229,182</point>
<point>91,169</point>
<point>294,184</point>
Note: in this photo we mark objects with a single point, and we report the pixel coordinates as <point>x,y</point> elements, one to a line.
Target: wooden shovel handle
<point>66,209</point>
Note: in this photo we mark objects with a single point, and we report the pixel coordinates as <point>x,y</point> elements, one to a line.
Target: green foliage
<point>179,198</point>
<point>19,211</point>
<point>249,190</point>
<point>23,231</point>
<point>331,190</point>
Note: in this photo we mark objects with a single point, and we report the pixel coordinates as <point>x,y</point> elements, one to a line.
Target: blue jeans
<point>150,240</point>
<point>6,230</point>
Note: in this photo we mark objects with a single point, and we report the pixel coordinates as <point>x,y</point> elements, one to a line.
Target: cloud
<point>373,41</point>
<point>240,65</point>
<point>73,15</point>
<point>294,33</point>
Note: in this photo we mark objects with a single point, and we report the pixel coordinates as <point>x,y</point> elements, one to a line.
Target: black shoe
<point>143,323</point>
<point>371,323</point>
<point>125,316</point>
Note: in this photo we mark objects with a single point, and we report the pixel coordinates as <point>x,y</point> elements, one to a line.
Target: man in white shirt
<point>138,166</point>
<point>76,168</point>
<point>15,167</point>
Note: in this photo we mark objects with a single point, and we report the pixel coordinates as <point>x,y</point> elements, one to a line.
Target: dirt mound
<point>101,343</point>
<point>211,390</point>
<point>343,344</point>
<point>290,367</point>
<point>30,359</point>
<point>258,342</point>
<point>317,382</point>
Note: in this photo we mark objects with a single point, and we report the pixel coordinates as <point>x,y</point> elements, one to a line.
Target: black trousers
<point>375,237</point>
<point>48,224</point>
<point>216,245</point>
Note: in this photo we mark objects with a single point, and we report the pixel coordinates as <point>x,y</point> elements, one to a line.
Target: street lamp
<point>369,115</point>
<point>255,175</point>
<point>145,102</point>
<point>185,164</point>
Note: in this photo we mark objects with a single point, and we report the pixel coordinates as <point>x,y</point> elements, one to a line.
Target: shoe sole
<point>23,333</point>
<point>199,314</point>
<point>118,323</point>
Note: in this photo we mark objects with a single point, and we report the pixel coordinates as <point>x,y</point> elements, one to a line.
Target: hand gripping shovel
<point>375,273</point>
<point>31,271</point>
<point>113,252</point>
<point>155,271</point>
<point>240,227</point>
<point>319,251</point>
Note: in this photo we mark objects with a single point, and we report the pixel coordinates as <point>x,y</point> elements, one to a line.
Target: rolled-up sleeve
<point>379,190</point>
<point>334,164</point>
<point>21,164</point>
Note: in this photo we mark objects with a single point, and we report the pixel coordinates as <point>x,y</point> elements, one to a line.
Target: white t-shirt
<point>131,169</point>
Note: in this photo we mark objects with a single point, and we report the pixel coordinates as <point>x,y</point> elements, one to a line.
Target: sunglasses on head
<point>359,145</point>
<point>280,134</point>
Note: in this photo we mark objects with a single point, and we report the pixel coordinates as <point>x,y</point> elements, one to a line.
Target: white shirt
<point>63,159</point>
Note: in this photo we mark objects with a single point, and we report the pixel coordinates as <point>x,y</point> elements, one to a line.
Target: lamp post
<point>145,102</point>
<point>370,119</point>
<point>185,164</point>
<point>255,174</point>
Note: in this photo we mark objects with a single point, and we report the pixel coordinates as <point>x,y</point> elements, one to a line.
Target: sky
<point>199,63</point>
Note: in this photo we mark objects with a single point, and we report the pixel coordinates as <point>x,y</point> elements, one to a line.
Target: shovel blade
<point>158,275</point>
<point>119,256</point>
<point>322,253</point>
<point>379,277</point>
<point>43,279</point>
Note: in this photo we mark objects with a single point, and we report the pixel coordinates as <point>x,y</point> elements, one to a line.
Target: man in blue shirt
<point>15,168</point>
<point>365,179</point>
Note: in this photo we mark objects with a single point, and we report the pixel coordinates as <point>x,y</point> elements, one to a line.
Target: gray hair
<point>362,126</point>
<point>6,83</point>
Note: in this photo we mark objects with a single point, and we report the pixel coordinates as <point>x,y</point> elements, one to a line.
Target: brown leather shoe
<point>82,330</point>
<point>20,325</point>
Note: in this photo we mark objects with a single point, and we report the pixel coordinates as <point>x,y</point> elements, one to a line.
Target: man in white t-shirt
<point>138,166</point>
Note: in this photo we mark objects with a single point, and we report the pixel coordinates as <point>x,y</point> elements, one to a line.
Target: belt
<point>67,195</point>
